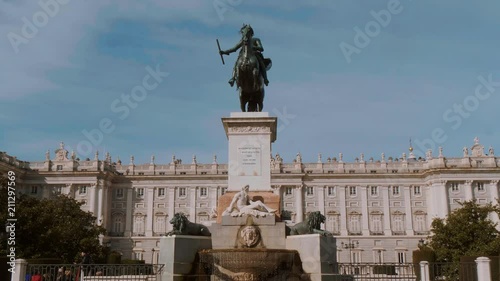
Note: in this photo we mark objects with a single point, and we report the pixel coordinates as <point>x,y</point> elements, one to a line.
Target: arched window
<point>160,225</point>
<point>398,223</point>
<point>118,223</point>
<point>139,224</point>
<point>376,223</point>
<point>354,226</point>
<point>333,222</point>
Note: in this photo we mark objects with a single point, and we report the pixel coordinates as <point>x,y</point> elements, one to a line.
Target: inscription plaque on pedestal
<point>249,161</point>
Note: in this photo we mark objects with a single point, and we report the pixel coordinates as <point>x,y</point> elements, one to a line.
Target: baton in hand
<point>221,57</point>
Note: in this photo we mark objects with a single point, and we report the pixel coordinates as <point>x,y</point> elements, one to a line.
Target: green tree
<point>52,228</point>
<point>466,231</point>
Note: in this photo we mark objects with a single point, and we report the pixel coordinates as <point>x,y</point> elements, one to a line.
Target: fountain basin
<point>250,263</point>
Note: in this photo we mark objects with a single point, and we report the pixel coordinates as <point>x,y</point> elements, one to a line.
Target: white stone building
<point>382,208</point>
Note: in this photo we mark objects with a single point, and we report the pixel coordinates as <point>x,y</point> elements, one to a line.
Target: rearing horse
<point>249,80</point>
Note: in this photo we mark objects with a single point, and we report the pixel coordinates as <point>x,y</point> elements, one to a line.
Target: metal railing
<point>464,271</point>
<point>96,272</point>
<point>375,271</point>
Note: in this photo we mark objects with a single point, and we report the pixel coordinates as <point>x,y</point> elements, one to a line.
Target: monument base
<point>318,254</point>
<point>272,236</point>
<point>178,253</point>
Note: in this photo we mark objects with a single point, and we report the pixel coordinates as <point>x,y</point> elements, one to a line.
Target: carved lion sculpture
<point>183,226</point>
<point>310,226</point>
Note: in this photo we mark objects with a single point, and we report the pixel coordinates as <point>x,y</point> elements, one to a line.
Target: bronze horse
<point>247,72</point>
<point>249,80</point>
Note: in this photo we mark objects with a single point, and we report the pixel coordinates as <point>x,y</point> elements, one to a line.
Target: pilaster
<point>387,212</point>
<point>128,215</point>
<point>408,213</point>
<point>299,202</point>
<point>149,215</point>
<point>364,210</point>
<point>343,210</point>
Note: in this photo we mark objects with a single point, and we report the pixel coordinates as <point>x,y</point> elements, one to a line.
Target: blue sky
<point>407,81</point>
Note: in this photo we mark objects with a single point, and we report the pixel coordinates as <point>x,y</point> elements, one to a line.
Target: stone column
<point>424,271</point>
<point>150,191</point>
<point>387,211</point>
<point>343,210</point>
<point>408,213</point>
<point>171,205</point>
<point>468,190</point>
<point>483,269</point>
<point>92,199</point>
<point>20,270</point>
<point>493,186</point>
<point>320,190</point>
<point>299,202</point>
<point>100,200</point>
<point>192,203</point>
<point>364,210</point>
<point>128,215</point>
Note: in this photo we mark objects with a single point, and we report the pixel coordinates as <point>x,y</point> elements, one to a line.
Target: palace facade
<point>377,209</point>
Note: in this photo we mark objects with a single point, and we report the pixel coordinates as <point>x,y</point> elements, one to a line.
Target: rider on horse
<point>247,34</point>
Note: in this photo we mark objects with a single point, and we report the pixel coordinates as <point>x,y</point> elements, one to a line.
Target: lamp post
<point>350,245</point>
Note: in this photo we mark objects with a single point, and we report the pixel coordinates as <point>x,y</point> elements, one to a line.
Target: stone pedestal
<point>250,135</point>
<point>226,237</point>
<point>178,254</point>
<point>317,254</point>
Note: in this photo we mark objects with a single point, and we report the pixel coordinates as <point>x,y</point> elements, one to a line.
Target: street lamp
<point>350,245</point>
<point>421,243</point>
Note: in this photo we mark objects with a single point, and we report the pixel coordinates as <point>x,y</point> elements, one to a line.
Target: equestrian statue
<point>250,70</point>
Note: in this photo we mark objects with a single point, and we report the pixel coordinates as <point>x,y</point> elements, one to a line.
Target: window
<point>140,192</point>
<point>352,190</point>
<point>352,171</point>
<point>309,172</point>
<point>376,220</point>
<point>331,191</point>
<point>82,190</point>
<point>454,187</point>
<point>309,190</point>
<point>333,223</point>
<point>401,257</point>
<point>203,192</point>
<point>373,171</point>
<point>330,172</point>
<point>182,173</point>
<point>416,190</point>
<point>118,223</point>
<point>138,256</point>
<point>395,190</point>
<point>182,192</point>
<point>162,173</point>
<point>394,171</point>
<point>203,173</point>
<point>139,225</point>
<point>223,190</point>
<point>59,167</point>
<point>480,186</point>
<point>34,189</point>
<point>224,173</point>
<point>288,191</point>
<point>354,223</point>
<point>160,224</point>
<point>119,193</point>
<point>356,257</point>
<point>420,222</point>
<point>141,173</point>
<point>398,225</point>
<point>374,190</point>
<point>161,192</point>
<point>58,190</point>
